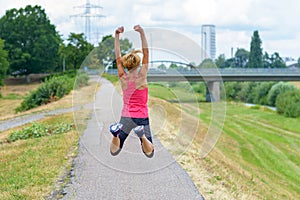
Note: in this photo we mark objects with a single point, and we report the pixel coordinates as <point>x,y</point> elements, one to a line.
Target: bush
<point>82,79</point>
<point>288,103</point>
<point>37,130</point>
<point>277,89</point>
<point>199,88</point>
<point>68,73</point>
<point>49,91</point>
<point>260,93</point>
<point>245,94</point>
<point>232,89</point>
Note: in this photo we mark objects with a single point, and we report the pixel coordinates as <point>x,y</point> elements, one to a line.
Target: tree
<point>288,103</point>
<point>162,67</point>
<point>277,89</point>
<point>246,93</point>
<point>30,39</point>
<point>75,51</point>
<point>229,63</point>
<point>3,62</point>
<point>277,61</point>
<point>207,63</point>
<point>232,89</point>
<point>273,61</point>
<point>255,56</point>
<point>173,66</point>
<point>106,50</point>
<point>220,61</point>
<point>241,57</point>
<point>260,92</point>
<point>267,60</point>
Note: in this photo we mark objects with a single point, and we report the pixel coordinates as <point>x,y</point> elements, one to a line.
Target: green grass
<point>261,142</point>
<point>261,147</point>
<point>174,94</point>
<point>12,96</point>
<point>159,91</point>
<point>267,145</point>
<point>29,168</point>
<point>112,78</point>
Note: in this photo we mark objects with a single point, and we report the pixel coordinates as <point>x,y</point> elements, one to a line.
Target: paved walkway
<point>130,175</point>
<point>19,121</point>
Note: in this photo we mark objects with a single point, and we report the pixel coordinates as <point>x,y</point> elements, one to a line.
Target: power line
<point>88,14</point>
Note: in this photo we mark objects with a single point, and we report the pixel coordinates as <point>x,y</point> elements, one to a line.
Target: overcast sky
<point>235,20</point>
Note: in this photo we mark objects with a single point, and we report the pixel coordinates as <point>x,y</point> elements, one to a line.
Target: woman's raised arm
<point>121,71</point>
<point>145,50</point>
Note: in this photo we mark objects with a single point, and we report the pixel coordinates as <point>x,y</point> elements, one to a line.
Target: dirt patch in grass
<point>21,89</point>
<point>34,78</point>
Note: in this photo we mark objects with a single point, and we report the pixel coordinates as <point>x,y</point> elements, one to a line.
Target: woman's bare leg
<point>115,144</point>
<point>147,146</point>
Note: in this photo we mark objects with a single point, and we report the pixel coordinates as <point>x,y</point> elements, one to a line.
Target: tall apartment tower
<point>208,41</point>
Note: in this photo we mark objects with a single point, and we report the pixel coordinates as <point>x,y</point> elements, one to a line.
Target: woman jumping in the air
<point>135,96</point>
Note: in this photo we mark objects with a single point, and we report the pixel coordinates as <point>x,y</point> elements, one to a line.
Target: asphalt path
<point>130,175</point>
<point>19,121</point>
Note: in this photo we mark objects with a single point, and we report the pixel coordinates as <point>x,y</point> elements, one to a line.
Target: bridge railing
<point>220,72</point>
<point>260,71</point>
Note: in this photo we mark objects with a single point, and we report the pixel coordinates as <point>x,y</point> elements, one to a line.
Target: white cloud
<point>286,47</point>
<point>199,12</point>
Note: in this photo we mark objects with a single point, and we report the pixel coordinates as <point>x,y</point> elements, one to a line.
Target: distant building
<point>208,41</point>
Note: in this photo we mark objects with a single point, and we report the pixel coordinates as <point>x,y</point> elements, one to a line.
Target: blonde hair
<point>131,60</point>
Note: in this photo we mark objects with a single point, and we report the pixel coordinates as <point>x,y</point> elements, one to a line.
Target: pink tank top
<point>135,102</point>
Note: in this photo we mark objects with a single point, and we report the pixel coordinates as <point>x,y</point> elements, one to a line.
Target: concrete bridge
<point>227,74</point>
<point>214,76</point>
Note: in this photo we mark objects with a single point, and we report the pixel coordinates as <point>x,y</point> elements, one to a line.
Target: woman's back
<point>135,101</point>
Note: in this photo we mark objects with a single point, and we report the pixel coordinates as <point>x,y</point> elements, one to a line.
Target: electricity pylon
<point>87,14</point>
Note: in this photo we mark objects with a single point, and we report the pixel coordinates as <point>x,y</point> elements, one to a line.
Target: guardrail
<point>227,74</point>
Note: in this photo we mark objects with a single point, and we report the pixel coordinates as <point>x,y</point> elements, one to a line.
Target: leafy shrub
<point>49,91</point>
<point>82,79</point>
<point>68,73</point>
<point>199,87</point>
<point>232,89</point>
<point>260,93</point>
<point>37,130</point>
<point>276,89</point>
<point>256,107</point>
<point>245,93</point>
<point>288,103</point>
<point>248,92</point>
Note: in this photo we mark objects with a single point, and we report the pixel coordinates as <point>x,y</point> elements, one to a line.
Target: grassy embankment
<point>30,169</point>
<point>256,157</point>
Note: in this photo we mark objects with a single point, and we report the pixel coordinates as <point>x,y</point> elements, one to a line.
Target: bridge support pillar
<point>213,91</point>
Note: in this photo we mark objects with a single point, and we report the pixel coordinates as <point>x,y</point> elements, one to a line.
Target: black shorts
<point>130,123</point>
